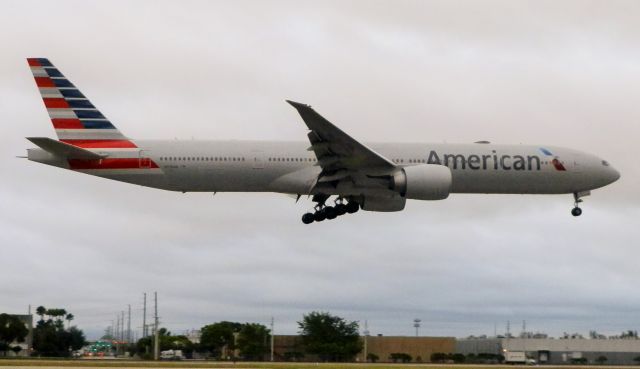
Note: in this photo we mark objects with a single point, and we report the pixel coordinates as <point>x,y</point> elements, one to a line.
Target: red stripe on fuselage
<point>116,163</point>
<point>44,82</point>
<point>558,165</point>
<point>63,123</point>
<point>55,103</point>
<point>101,144</point>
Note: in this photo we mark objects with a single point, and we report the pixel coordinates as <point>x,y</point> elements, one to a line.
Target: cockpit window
<point>605,163</point>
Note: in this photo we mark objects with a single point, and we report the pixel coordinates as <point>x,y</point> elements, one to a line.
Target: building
<point>419,348</point>
<point>193,335</point>
<point>557,350</point>
<point>27,345</point>
<point>290,348</point>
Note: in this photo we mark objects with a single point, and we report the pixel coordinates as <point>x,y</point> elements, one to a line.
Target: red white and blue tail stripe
<point>76,120</point>
<point>79,123</point>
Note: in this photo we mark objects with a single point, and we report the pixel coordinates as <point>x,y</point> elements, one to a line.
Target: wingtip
<point>297,105</point>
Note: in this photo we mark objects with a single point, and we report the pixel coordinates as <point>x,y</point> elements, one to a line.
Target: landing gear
<point>307,218</point>
<point>323,211</point>
<point>577,197</point>
<point>352,207</point>
<point>341,209</point>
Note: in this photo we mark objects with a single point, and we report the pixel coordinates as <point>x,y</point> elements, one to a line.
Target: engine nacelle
<point>423,182</point>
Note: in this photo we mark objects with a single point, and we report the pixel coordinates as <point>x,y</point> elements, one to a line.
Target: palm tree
<point>41,310</point>
<point>69,317</point>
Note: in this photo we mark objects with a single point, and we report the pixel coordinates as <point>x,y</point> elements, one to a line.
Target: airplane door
<point>257,160</point>
<point>144,159</point>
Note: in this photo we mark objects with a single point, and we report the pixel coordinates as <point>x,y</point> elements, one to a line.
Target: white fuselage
<point>288,167</point>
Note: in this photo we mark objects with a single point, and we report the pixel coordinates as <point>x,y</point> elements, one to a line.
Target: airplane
<point>339,173</point>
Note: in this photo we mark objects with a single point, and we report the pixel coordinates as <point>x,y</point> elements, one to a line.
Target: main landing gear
<point>576,211</point>
<point>323,211</point>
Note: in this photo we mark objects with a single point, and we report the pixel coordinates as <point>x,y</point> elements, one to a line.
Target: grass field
<point>9,363</point>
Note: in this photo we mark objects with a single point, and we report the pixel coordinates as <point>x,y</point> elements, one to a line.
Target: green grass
<point>98,363</point>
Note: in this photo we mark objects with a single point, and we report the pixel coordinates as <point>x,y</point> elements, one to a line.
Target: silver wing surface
<point>349,168</point>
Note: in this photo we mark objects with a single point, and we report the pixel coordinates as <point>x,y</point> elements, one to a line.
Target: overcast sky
<point>561,73</point>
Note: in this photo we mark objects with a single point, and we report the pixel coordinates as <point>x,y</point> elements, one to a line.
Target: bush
<point>293,356</point>
<point>372,358</point>
<point>580,360</point>
<point>400,356</point>
<point>458,358</point>
<point>438,357</point>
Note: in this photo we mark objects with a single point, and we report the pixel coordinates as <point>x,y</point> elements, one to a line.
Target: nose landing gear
<point>577,197</point>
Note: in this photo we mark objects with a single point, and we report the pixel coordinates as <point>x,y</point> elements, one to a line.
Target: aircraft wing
<point>338,154</point>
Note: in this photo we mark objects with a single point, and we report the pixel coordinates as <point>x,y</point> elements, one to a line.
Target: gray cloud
<point>559,73</point>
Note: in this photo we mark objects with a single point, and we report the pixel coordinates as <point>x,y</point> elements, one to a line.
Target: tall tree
<point>217,336</point>
<point>50,338</point>
<point>69,317</point>
<point>330,337</point>
<point>253,341</point>
<point>167,342</point>
<point>41,310</point>
<point>11,329</point>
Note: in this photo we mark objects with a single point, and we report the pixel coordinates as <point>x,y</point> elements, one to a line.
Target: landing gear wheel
<point>352,207</point>
<point>341,209</point>
<point>330,212</point>
<point>576,211</point>
<point>319,215</point>
<point>307,218</point>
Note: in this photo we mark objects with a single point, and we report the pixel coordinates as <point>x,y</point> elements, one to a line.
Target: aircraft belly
<point>219,179</point>
<point>514,182</point>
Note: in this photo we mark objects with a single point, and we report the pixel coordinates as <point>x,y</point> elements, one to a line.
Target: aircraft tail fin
<point>76,120</point>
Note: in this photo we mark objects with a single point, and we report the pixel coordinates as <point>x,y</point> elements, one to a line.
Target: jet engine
<point>422,182</point>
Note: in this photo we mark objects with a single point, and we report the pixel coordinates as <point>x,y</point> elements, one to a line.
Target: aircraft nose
<point>613,174</point>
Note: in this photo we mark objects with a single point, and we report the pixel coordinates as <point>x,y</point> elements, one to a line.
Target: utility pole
<point>129,325</point>
<point>366,334</point>
<point>156,343</point>
<point>116,336</point>
<point>122,331</point>
<point>122,326</point>
<point>144,316</point>
<point>272,342</point>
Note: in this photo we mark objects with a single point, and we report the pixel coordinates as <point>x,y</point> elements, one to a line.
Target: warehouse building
<point>557,350</point>
<point>290,348</point>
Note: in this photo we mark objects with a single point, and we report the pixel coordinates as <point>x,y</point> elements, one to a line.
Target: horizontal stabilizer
<point>63,149</point>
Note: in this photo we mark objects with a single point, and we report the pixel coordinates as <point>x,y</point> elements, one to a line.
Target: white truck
<point>171,355</point>
<point>517,357</point>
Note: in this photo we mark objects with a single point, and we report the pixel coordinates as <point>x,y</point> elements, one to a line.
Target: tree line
<point>50,336</point>
<point>329,337</point>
